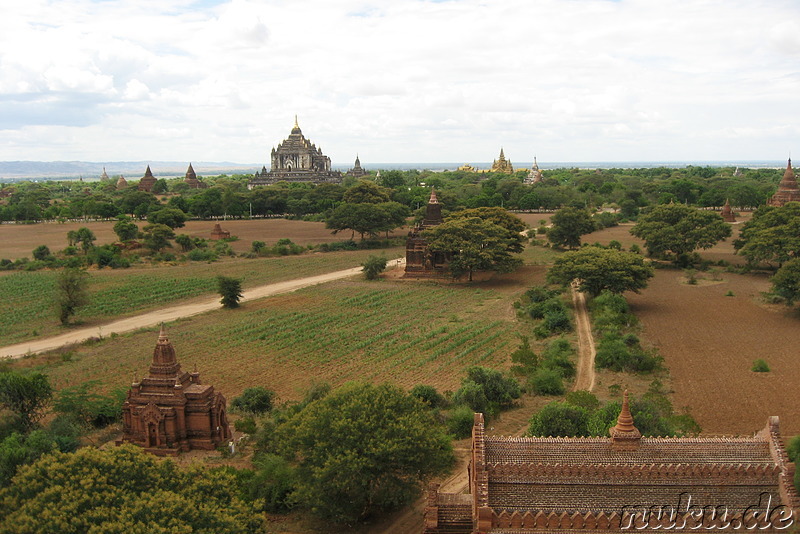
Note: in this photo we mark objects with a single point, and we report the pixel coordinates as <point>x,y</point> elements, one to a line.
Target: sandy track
<point>171,314</point>
<point>586,351</point>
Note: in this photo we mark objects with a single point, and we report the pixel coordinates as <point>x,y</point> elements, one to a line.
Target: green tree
<point>256,400</point>
<point>157,236</point>
<point>365,192</point>
<point>25,395</point>
<point>598,269</point>
<point>361,450</point>
<point>786,282</point>
<point>524,359</point>
<point>186,243</point>
<point>231,291</point>
<point>362,218</point>
<point>20,449</point>
<point>502,218</point>
<point>373,266</point>
<point>560,419</point>
<point>126,229</point>
<point>71,292</point>
<point>772,235</point>
<point>680,230</point>
<point>172,217</point>
<point>41,253</point>
<point>119,490</point>
<point>486,390</point>
<point>85,237</point>
<point>474,244</point>
<point>568,225</point>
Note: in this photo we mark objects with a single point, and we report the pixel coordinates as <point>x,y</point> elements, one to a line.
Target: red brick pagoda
<point>421,262</point>
<point>170,411</point>
<point>788,190</point>
<point>147,182</point>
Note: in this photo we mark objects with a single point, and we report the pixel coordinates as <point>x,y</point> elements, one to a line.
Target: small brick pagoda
<point>421,262</point>
<point>619,483</point>
<point>147,182</point>
<point>170,411</point>
<point>727,212</point>
<point>122,183</point>
<point>788,191</point>
<point>218,233</point>
<point>191,179</point>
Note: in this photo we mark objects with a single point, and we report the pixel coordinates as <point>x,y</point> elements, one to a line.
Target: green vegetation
<point>71,293</point>
<point>230,289</point>
<point>760,366</point>
<point>373,266</point>
<point>786,281</point>
<point>486,391</point>
<point>569,224</point>
<point>256,400</point>
<point>25,396</point>
<point>601,269</point>
<point>547,305</point>
<point>679,230</point>
<point>771,236</point>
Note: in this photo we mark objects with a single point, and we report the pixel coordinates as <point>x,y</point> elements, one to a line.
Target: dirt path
<point>586,352</point>
<point>172,313</point>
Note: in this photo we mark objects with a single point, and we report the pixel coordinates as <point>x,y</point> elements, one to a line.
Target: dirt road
<point>172,313</point>
<point>586,351</point>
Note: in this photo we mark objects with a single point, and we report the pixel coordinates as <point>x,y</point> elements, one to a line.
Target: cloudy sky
<point>400,80</point>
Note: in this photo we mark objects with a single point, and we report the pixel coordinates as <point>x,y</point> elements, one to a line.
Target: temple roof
<point>434,199</point>
<point>788,181</point>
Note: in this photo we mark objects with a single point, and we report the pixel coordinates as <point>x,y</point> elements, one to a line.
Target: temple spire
<point>625,419</point>
<point>433,199</point>
<point>625,436</point>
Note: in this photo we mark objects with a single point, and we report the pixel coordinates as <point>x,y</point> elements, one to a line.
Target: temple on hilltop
<point>122,183</point>
<point>421,261</point>
<point>619,483</point>
<point>297,159</point>
<point>357,171</point>
<point>170,411</point>
<point>787,189</point>
<point>147,182</point>
<point>501,164</point>
<point>191,179</point>
<point>534,175</point>
<point>727,212</point>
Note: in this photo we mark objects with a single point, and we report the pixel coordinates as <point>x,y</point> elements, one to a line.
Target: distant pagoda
<point>727,212</point>
<point>104,177</point>
<point>502,165</point>
<point>357,171</point>
<point>147,182</point>
<point>297,159</point>
<point>191,179</point>
<point>534,175</point>
<point>421,261</point>
<point>788,190</point>
<point>122,183</point>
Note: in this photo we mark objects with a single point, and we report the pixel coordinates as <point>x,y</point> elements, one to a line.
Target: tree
<point>786,282</point>
<point>559,419</point>
<point>172,217</point>
<point>186,243</point>
<point>474,245</point>
<point>772,235</point>
<point>25,395</point>
<point>41,253</point>
<point>18,449</point>
<point>85,237</point>
<point>598,269</point>
<point>255,400</point>
<point>486,390</point>
<point>126,229</point>
<point>122,489</point>
<point>502,218</point>
<point>362,449</point>
<point>231,291</point>
<point>157,236</point>
<point>362,218</point>
<point>680,230</point>
<point>365,192</point>
<point>373,266</point>
<point>568,225</point>
<point>71,292</point>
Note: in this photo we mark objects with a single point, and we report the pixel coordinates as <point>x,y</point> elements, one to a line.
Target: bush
<point>231,291</point>
<point>460,421</point>
<point>471,395</point>
<point>547,382</point>
<point>199,254</point>
<point>557,357</point>
<point>373,266</point>
<point>584,399</point>
<point>559,419</point>
<point>254,400</point>
<point>246,425</point>
<point>428,395</point>
<point>760,366</point>
<point>271,483</point>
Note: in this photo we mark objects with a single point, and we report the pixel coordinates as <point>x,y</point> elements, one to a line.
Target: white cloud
<point>400,81</point>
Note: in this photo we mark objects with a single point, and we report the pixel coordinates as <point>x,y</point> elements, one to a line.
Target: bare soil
<point>19,240</point>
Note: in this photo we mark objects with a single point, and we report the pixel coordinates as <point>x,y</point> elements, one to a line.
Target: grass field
<point>29,296</point>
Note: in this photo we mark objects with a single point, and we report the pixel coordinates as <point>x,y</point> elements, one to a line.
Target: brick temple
<point>191,179</point>
<point>171,411</point>
<point>788,190</point>
<point>147,182</point>
<point>297,159</point>
<point>421,261</point>
<point>357,171</point>
<point>622,482</point>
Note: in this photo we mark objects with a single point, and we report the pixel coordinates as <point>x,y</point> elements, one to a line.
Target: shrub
<point>231,291</point>
<point>373,266</point>
<point>547,382</point>
<point>199,254</point>
<point>271,483</point>
<point>246,425</point>
<point>460,421</point>
<point>524,359</point>
<point>760,366</point>
<point>559,419</point>
<point>471,395</point>
<point>584,399</point>
<point>428,395</point>
<point>557,357</point>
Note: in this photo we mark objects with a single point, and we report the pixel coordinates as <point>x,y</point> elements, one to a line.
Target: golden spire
<point>295,122</point>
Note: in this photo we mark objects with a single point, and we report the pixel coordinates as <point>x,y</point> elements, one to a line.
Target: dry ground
<point>709,341</point>
<point>19,240</point>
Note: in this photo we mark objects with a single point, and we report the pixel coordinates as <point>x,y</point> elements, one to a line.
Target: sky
<point>400,80</point>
